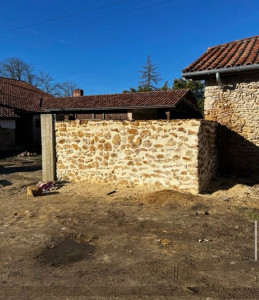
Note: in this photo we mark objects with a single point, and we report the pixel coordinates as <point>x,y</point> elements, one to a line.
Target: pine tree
<point>149,77</point>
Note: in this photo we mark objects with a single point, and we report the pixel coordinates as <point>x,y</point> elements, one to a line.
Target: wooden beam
<point>48,141</point>
<point>168,115</point>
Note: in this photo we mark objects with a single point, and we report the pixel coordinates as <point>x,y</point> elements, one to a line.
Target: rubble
<point>202,213</point>
<point>34,191</point>
<point>40,188</point>
<point>26,153</point>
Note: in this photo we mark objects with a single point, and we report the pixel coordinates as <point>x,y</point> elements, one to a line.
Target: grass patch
<point>255,217</point>
<point>248,212</point>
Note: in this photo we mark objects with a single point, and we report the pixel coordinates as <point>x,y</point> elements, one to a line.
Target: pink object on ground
<point>46,186</point>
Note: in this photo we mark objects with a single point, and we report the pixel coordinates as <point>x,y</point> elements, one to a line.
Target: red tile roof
<point>118,101</point>
<point>7,113</point>
<point>237,53</point>
<point>17,96</point>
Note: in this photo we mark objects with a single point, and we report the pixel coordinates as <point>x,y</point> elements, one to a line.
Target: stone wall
<point>7,139</point>
<point>155,152</point>
<point>236,108</point>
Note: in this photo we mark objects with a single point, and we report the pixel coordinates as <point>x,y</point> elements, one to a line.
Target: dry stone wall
<point>164,153</point>
<point>236,108</point>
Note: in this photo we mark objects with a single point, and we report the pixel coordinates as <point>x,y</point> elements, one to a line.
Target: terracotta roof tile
<point>7,113</point>
<point>18,95</point>
<point>127,100</point>
<point>237,53</point>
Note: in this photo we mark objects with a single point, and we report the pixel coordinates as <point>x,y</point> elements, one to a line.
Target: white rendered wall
<point>9,124</point>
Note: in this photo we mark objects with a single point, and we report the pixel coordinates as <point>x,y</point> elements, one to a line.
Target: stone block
<point>116,140</point>
<point>107,147</point>
<point>133,131</point>
<point>34,191</point>
<point>146,143</point>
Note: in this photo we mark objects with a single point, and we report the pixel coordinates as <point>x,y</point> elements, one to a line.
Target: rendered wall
<point>142,152</point>
<point>236,108</point>
<point>6,123</point>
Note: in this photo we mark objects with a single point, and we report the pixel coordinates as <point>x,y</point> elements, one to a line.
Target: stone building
<point>231,74</point>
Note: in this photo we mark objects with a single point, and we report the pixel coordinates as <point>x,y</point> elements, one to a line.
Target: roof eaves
<point>9,117</point>
<point>106,108</point>
<point>231,70</point>
<point>12,107</point>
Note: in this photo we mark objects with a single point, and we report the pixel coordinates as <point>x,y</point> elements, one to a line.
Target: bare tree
<point>45,82</point>
<point>15,68</point>
<point>65,89</point>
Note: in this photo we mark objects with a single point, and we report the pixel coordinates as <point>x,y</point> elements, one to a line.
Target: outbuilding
<point>20,115</point>
<point>169,104</point>
<point>231,74</point>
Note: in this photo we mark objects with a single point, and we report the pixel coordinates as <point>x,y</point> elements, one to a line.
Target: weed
<point>255,216</point>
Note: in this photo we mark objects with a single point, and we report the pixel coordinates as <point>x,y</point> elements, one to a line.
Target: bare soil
<point>137,243</point>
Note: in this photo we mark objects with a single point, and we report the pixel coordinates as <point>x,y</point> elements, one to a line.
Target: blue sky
<point>104,43</point>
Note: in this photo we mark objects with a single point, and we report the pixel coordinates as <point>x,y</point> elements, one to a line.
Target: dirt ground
<point>77,242</point>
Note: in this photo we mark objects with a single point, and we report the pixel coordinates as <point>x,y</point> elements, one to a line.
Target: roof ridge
<point>167,98</point>
<point>235,41</point>
<point>33,89</point>
<point>15,81</point>
<point>20,95</point>
<point>28,86</point>
<point>238,53</point>
<point>119,94</point>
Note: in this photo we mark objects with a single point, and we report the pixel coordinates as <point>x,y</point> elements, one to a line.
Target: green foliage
<point>200,104</point>
<point>255,217</point>
<point>145,89</point>
<point>197,87</point>
<point>139,89</point>
<point>131,90</point>
<point>165,86</point>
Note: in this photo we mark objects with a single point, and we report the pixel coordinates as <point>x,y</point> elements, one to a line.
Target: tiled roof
<point>17,96</point>
<point>7,113</point>
<point>118,101</point>
<point>235,54</point>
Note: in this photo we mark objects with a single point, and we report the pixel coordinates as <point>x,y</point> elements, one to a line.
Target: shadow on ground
<point>5,182</point>
<point>227,182</point>
<point>8,170</point>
